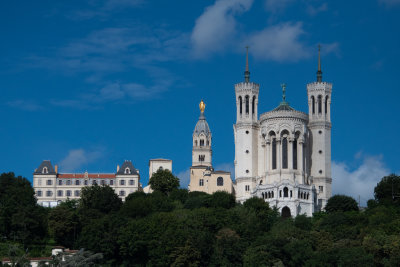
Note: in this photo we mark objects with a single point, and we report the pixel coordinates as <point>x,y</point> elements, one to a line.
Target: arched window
<point>253,105</point>
<point>326,104</point>
<point>240,104</point>
<point>295,153</point>
<point>247,104</point>
<point>262,194</point>
<point>319,104</point>
<point>272,194</point>
<point>201,142</point>
<point>284,153</point>
<point>220,181</point>
<point>313,104</point>
<point>280,193</point>
<point>301,195</point>
<point>273,150</point>
<point>285,192</point>
<point>45,170</point>
<point>127,171</point>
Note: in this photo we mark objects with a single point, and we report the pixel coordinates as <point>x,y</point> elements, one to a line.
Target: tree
<point>64,223</point>
<point>341,203</point>
<point>222,199</point>
<point>21,219</point>
<point>164,181</point>
<point>388,189</point>
<point>99,198</point>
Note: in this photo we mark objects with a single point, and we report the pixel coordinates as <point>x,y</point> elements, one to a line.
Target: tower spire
<point>283,85</point>
<point>247,72</point>
<point>319,72</point>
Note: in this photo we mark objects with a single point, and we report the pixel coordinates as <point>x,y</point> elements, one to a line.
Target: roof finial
<point>319,72</point>
<point>247,72</point>
<point>283,85</point>
<point>202,106</point>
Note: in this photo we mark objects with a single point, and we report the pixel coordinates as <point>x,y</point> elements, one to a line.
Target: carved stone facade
<point>284,156</point>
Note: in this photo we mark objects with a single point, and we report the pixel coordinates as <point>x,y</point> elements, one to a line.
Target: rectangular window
<point>68,182</point>
<point>77,193</point>
<point>59,193</point>
<point>49,193</point>
<point>94,182</point>
<point>59,182</point>
<point>247,188</point>
<point>321,188</point>
<point>77,182</point>
<point>201,182</point>
<point>122,193</point>
<point>85,182</point>
<point>102,182</point>
<point>111,182</point>
<point>49,182</point>
<point>68,193</point>
<point>39,193</point>
<point>131,182</point>
<point>122,182</point>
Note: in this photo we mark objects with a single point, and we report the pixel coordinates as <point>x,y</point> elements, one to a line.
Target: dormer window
<point>45,170</point>
<point>127,171</point>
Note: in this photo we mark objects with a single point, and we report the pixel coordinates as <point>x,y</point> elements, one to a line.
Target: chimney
<point>117,168</point>
<point>56,168</point>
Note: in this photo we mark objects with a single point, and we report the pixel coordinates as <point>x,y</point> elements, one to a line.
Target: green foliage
<point>387,190</point>
<point>181,228</point>
<point>341,203</point>
<point>97,198</point>
<point>164,181</point>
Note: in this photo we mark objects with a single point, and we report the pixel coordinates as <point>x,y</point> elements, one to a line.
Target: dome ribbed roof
<point>283,106</point>
<point>202,126</point>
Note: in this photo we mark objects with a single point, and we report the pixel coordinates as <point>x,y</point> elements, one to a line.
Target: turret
<point>202,152</point>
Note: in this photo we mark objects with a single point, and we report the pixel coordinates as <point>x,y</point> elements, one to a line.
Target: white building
<point>52,187</point>
<point>154,166</point>
<point>284,155</point>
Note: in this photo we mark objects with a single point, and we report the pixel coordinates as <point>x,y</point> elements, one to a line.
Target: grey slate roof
<point>202,126</point>
<point>45,163</point>
<point>283,106</point>
<point>127,164</point>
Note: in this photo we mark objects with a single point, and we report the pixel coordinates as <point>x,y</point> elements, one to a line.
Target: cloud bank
<point>78,158</point>
<point>359,181</point>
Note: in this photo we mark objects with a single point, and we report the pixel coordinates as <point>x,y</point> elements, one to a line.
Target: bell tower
<point>246,132</point>
<point>319,112</point>
<point>202,152</point>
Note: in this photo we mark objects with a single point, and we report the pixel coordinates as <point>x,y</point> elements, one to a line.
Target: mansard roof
<point>43,165</point>
<point>127,164</point>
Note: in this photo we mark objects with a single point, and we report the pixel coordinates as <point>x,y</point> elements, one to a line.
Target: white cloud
<point>216,27</point>
<point>184,178</point>
<point>359,181</point>
<point>77,158</point>
<point>277,5</point>
<point>279,43</point>
<point>389,2</point>
<point>315,10</point>
<point>27,105</point>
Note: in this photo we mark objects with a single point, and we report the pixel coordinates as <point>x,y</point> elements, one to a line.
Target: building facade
<point>52,187</point>
<point>154,166</point>
<point>203,177</point>
<point>284,155</point>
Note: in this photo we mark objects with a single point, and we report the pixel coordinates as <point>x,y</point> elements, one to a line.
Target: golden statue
<point>202,106</point>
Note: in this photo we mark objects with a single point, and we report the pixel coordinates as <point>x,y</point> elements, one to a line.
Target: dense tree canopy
<point>184,228</point>
<point>388,189</point>
<point>341,203</point>
<point>164,181</point>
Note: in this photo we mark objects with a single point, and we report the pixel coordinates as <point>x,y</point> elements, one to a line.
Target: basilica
<point>282,156</point>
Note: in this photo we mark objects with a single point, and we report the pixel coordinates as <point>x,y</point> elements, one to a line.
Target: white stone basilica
<point>284,155</point>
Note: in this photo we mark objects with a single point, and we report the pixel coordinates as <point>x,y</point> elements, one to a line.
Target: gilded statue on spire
<point>202,106</point>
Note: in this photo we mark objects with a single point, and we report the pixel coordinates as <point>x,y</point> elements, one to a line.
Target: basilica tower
<point>319,103</point>
<point>246,132</point>
<point>202,152</point>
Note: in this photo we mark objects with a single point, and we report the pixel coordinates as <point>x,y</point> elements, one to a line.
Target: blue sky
<point>88,84</point>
